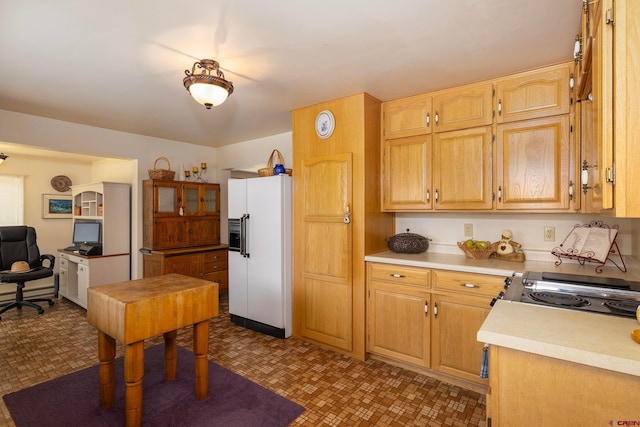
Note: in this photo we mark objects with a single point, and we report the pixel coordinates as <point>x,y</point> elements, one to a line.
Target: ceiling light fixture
<point>3,157</point>
<point>206,88</point>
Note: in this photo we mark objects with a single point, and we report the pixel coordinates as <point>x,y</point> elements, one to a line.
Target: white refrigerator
<point>260,254</point>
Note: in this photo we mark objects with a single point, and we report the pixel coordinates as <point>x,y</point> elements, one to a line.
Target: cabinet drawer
<point>215,256</point>
<point>401,274</point>
<point>468,283</point>
<point>215,266</point>
<point>64,262</point>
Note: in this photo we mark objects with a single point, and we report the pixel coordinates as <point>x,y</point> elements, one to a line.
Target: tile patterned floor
<point>335,390</point>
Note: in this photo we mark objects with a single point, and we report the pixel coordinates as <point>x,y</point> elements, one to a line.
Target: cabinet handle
<point>436,195</point>
<point>428,196</point>
<point>500,194</point>
<point>426,308</point>
<point>435,310</point>
<point>396,275</point>
<point>469,285</point>
<point>428,119</point>
<point>437,118</point>
<point>571,190</point>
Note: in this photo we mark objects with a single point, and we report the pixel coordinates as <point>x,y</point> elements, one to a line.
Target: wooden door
<point>455,348</point>
<point>210,199</point>
<point>399,322</point>
<point>327,257</point>
<point>463,107</point>
<point>590,156</point>
<point>463,169</point>
<point>533,94</point>
<point>407,117</point>
<point>407,174</point>
<point>189,265</point>
<point>533,164</point>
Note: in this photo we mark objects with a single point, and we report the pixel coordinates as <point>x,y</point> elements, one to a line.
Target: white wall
<point>248,154</point>
<point>446,229</point>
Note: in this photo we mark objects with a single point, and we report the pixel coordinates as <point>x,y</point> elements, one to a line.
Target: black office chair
<point>18,243</point>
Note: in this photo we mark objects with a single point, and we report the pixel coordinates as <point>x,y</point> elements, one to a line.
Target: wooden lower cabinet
<point>207,262</point>
<point>532,390</point>
<point>429,318</point>
<point>398,310</point>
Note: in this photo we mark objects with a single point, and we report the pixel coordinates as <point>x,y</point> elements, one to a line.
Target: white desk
<point>79,272</point>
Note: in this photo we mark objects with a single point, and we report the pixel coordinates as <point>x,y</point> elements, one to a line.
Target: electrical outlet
<point>468,230</point>
<point>549,234</point>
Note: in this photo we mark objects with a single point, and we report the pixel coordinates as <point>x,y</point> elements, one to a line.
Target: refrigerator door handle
<point>243,235</point>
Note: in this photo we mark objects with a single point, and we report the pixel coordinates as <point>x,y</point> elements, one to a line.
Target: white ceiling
<point>119,64</point>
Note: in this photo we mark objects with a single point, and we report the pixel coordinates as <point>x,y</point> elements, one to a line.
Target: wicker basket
<point>408,243</point>
<point>275,158</point>
<point>478,253</point>
<point>162,174</point>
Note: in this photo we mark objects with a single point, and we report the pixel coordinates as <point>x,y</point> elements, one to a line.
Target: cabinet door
<point>602,71</point>
<point>168,198</point>
<point>455,348</point>
<point>192,196</point>
<point>170,233</point>
<point>327,280</point>
<point>533,164</point>
<point>204,230</point>
<point>83,284</point>
<point>407,117</point>
<point>399,322</point>
<point>210,199</point>
<point>463,169</point>
<point>591,186</point>
<point>189,265</point>
<point>407,174</point>
<point>463,107</point>
<point>533,94</point>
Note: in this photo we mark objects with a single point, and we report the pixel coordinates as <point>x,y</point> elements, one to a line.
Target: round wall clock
<point>325,124</point>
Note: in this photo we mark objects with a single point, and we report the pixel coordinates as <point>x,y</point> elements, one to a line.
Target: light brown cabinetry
<point>533,164</point>
<point>533,94</point>
<point>407,117</point>
<point>463,107</point>
<point>461,304</point>
<point>398,313</point>
<point>463,162</point>
<point>407,174</point>
<point>429,318</point>
<point>206,262</point>
<point>565,392</point>
<point>180,214</point>
<point>615,91</point>
<point>337,221</point>
<point>524,158</point>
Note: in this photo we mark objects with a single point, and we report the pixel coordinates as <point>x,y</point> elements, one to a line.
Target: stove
<point>605,295</point>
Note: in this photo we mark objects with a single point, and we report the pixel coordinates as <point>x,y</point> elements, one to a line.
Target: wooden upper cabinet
<point>463,107</point>
<point>463,169</point>
<point>407,174</point>
<point>201,199</point>
<point>532,167</point>
<point>539,93</point>
<point>407,117</point>
<point>166,198</point>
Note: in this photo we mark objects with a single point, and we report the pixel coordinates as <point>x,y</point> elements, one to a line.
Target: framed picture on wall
<point>57,206</point>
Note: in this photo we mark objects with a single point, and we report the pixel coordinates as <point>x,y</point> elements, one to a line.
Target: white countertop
<point>591,339</point>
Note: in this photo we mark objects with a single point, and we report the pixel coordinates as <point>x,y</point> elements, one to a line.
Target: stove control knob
<point>500,295</point>
<point>493,301</point>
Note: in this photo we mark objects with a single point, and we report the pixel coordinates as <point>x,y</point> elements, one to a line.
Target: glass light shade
<point>207,93</point>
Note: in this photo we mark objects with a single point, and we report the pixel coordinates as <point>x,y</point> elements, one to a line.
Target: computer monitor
<point>86,232</point>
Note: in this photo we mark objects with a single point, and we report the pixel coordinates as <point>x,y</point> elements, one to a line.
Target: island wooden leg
<point>170,355</point>
<point>107,374</point>
<point>133,373</point>
<point>200,349</point>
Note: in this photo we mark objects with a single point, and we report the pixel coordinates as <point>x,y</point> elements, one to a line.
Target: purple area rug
<point>73,399</point>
